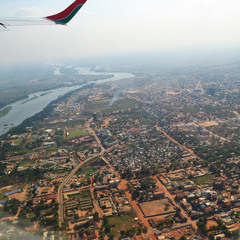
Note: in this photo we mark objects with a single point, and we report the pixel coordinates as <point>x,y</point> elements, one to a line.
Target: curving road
<point>60,189</point>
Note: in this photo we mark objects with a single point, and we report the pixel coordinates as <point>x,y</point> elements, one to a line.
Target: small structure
<point>160,194</point>
<point>13,192</point>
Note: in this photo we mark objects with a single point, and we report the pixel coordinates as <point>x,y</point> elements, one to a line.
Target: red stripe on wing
<point>65,13</point>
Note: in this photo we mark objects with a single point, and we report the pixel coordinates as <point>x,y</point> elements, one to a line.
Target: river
<point>36,102</point>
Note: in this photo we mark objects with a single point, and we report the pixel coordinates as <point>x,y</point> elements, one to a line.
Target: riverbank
<point>30,99</point>
<point>40,115</point>
<point>40,100</point>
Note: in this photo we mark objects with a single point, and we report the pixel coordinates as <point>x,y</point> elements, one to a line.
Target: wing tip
<point>3,27</point>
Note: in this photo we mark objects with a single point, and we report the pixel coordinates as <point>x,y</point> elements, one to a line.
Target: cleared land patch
<point>211,223</point>
<point>104,105</point>
<point>179,232</point>
<point>208,124</point>
<point>157,207</point>
<point>122,222</point>
<point>18,142</point>
<point>204,180</point>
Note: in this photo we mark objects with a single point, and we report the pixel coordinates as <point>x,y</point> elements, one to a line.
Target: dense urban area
<point>156,156</point>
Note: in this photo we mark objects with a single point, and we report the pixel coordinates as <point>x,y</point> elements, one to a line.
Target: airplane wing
<point>3,27</point>
<point>60,18</point>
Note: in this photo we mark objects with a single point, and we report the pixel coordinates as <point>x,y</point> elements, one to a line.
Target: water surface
<point>36,102</point>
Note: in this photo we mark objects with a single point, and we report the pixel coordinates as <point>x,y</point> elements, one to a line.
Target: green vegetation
<point>82,147</point>
<point>30,99</point>
<point>128,173</point>
<point>29,175</point>
<point>202,226</point>
<point>218,152</point>
<point>76,133</point>
<point>141,191</point>
<point>103,105</point>
<point>46,93</point>
<point>89,166</point>
<point>2,168</point>
<point>123,104</point>
<point>85,194</point>
<point>48,212</point>
<point>204,180</point>
<point>5,111</point>
<point>132,123</point>
<point>8,96</point>
<point>18,142</point>
<point>90,172</point>
<point>27,162</point>
<point>37,117</point>
<point>168,222</point>
<point>12,150</point>
<point>11,207</point>
<point>12,92</point>
<point>83,228</point>
<point>96,105</point>
<point>120,223</point>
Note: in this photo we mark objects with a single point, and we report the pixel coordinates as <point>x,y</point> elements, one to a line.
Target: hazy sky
<point>119,26</point>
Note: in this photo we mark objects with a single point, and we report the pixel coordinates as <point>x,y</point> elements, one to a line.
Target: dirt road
<point>173,140</point>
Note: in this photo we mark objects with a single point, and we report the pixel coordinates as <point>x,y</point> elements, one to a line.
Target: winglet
<point>66,15</point>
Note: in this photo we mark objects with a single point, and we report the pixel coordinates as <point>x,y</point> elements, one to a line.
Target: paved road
<point>123,186</point>
<point>60,189</point>
<point>91,131</point>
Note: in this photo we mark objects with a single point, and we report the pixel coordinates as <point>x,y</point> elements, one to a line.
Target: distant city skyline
<point>114,27</point>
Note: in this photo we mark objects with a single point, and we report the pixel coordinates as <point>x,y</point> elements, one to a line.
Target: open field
<point>27,163</point>
<point>90,172</point>
<point>18,142</point>
<point>104,105</point>
<point>208,124</point>
<point>122,222</point>
<point>172,93</point>
<point>97,105</point>
<point>90,166</point>
<point>85,194</point>
<point>76,133</point>
<point>5,190</point>
<point>11,188</point>
<point>157,207</point>
<point>211,223</point>
<point>22,196</point>
<point>207,179</point>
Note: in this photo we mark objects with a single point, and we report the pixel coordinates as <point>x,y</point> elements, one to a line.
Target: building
<point>159,194</point>
<point>218,185</point>
<point>13,192</point>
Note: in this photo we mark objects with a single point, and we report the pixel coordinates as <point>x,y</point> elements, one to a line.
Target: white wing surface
<point>60,18</point>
